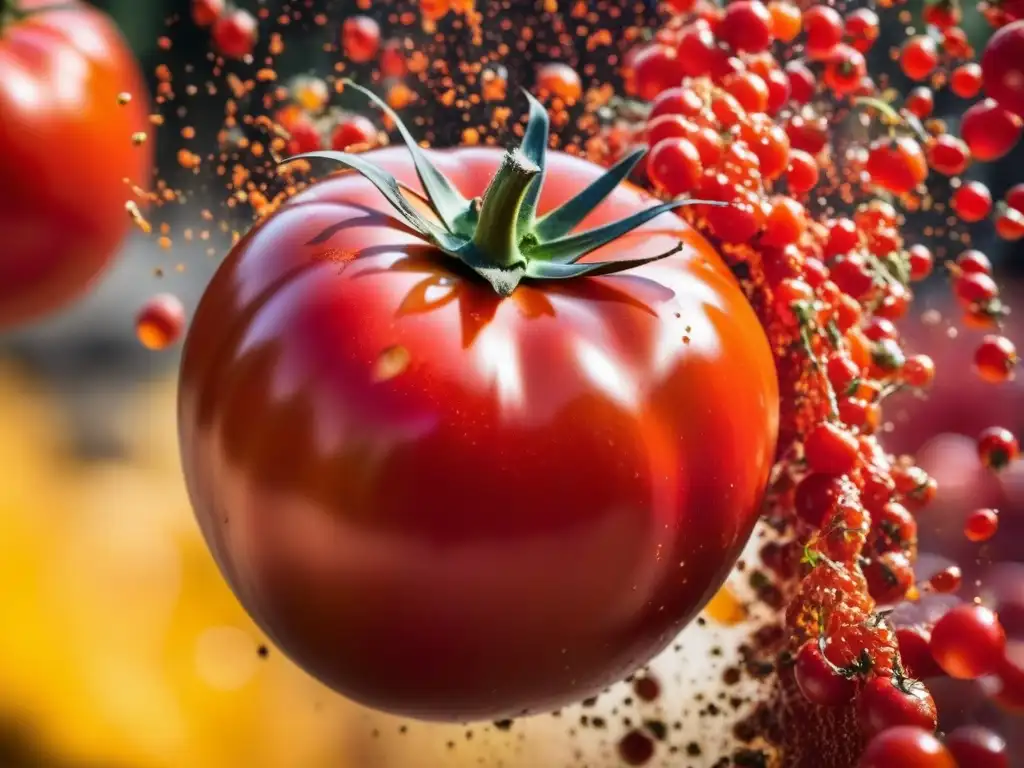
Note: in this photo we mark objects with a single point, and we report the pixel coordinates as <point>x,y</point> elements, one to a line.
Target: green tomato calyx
<point>499,235</point>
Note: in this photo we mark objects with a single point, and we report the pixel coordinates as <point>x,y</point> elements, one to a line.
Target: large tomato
<point>67,150</point>
<point>451,504</point>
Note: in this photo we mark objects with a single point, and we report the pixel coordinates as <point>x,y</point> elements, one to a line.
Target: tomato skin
<point>67,151</point>
<point>508,523</point>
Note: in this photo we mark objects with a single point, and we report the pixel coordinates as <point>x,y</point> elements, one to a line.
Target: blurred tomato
<point>66,135</point>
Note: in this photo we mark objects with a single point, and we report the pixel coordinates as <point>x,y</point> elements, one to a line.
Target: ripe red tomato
<point>454,505</point>
<point>906,746</point>
<point>887,703</point>
<point>67,152</point>
<point>1003,67</point>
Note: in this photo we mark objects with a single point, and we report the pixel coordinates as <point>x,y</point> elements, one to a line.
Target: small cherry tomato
<point>558,80</point>
<point>997,448</point>
<point>995,359</point>
<point>886,703</point>
<point>786,20</point>
<point>942,13</point>
<point>948,155</point>
<point>920,102</point>
<point>974,746</point>
<point>674,166</point>
<point>160,322</point>
<point>1015,197</point>
<point>304,137</point>
<point>676,101</point>
<point>830,449</point>
<point>972,202</point>
<point>919,57</point>
<point>906,746</point>
<point>823,27</point>
<point>235,33</point>
<point>968,641</point>
<point>206,12</point>
<point>353,131</point>
<point>802,174</point>
<point>746,26</point>
<point>918,371</point>
<point>981,525</point>
<point>921,261</point>
<point>1002,65</point>
<point>965,81</point>
<point>897,165</point>
<point>946,581</point>
<point>989,130</point>
<point>819,680</point>
<point>862,28</point>
<point>360,38</point>
<point>916,653</point>
<point>656,68</point>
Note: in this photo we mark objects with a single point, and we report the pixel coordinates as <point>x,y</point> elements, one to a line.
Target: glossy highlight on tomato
<point>67,151</point>
<point>455,502</point>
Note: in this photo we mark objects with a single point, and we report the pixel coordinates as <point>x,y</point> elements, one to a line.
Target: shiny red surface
<point>68,149</point>
<point>455,506</point>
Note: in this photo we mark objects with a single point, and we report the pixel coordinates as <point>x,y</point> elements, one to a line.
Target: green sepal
<point>570,249</point>
<point>389,187</point>
<point>534,147</point>
<point>562,220</point>
<point>447,202</point>
<point>550,270</point>
<point>504,280</point>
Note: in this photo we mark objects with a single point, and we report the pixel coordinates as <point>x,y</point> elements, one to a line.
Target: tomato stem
<point>496,235</point>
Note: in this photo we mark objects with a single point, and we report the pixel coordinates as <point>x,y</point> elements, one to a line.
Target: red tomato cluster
<point>729,122</point>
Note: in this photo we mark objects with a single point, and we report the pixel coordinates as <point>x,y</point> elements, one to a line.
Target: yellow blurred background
<point>122,647</point>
